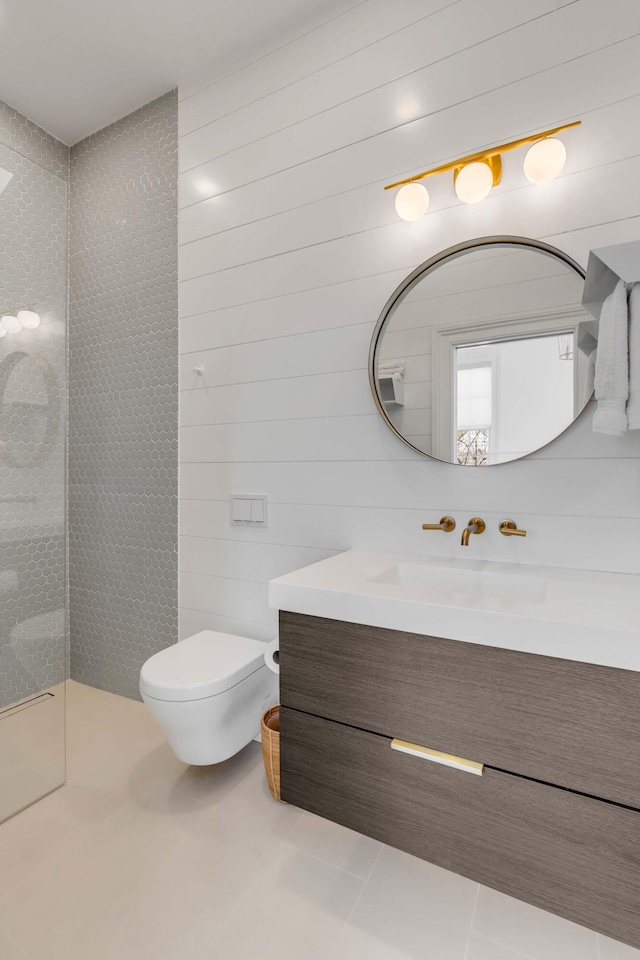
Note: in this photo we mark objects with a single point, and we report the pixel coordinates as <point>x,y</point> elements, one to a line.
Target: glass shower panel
<point>33,585</point>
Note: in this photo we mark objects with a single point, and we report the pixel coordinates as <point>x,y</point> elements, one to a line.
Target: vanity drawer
<point>566,853</point>
<point>559,721</point>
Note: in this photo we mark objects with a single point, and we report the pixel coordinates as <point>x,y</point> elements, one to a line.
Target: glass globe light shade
<point>474,182</point>
<point>545,160</point>
<point>29,319</point>
<point>2,332</point>
<point>412,201</point>
<point>10,324</point>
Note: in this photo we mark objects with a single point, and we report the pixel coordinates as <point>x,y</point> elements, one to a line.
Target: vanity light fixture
<point>473,183</point>
<point>10,324</point>
<point>29,319</point>
<point>24,319</point>
<point>545,160</point>
<point>475,174</point>
<point>412,202</point>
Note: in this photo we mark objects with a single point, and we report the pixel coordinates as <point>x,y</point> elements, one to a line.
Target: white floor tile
<point>80,693</point>
<point>29,842</point>
<point>149,923</point>
<point>410,910</point>
<point>141,838</point>
<point>211,784</point>
<point>341,847</point>
<point>294,910</point>
<point>236,841</point>
<point>99,731</point>
<point>127,774</point>
<point>9,951</point>
<point>50,910</point>
<point>482,949</point>
<point>613,950</point>
<point>535,933</point>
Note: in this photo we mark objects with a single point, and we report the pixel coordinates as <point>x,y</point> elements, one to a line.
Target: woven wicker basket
<point>271,749</point>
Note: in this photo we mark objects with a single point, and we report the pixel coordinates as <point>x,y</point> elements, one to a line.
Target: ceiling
<point>74,66</point>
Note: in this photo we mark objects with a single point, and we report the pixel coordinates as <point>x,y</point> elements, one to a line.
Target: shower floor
<point>138,856</point>
<point>31,749</point>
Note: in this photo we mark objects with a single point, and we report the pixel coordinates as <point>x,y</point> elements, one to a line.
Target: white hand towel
<point>389,368</point>
<point>612,364</point>
<point>590,375</point>
<point>633,404</point>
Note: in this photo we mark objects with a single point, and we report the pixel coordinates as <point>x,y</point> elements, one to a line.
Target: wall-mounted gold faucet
<point>447,525</point>
<point>475,525</point>
<point>509,528</point>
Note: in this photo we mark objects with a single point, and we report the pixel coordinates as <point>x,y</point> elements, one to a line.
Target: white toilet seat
<point>206,664</point>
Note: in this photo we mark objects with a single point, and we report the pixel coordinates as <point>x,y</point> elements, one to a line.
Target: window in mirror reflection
<point>473,405</point>
<point>498,414</point>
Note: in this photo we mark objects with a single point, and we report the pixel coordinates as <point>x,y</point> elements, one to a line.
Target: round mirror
<point>485,352</point>
<point>29,409</point>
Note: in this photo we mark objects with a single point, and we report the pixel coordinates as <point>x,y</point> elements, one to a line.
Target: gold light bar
<point>487,155</point>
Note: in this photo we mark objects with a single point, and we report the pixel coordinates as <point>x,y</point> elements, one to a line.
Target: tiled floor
<point>31,749</point>
<point>141,857</point>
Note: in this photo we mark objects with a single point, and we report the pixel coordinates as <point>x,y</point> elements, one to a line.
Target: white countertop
<point>571,614</point>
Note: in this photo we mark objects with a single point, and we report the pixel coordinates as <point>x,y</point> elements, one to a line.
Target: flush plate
<point>249,510</point>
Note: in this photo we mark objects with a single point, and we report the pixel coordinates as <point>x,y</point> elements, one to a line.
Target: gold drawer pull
<point>468,766</point>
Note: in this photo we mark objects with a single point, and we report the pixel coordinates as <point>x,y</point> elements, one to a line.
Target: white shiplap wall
<point>289,248</point>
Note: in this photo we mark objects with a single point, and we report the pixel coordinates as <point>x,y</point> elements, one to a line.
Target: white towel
<point>612,364</point>
<point>387,368</point>
<point>590,375</point>
<point>633,404</point>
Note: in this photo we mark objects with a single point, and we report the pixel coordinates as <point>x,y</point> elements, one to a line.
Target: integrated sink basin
<point>446,581</point>
<point>571,614</point>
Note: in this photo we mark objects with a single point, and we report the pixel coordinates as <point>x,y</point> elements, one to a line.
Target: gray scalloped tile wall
<point>123,445</point>
<point>33,272</point>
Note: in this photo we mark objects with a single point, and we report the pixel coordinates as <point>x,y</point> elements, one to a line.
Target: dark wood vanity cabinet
<point>554,819</point>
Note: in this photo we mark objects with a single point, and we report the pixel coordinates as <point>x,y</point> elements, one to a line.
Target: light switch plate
<point>249,510</point>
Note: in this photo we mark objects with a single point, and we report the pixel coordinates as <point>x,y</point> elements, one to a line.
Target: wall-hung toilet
<point>208,693</point>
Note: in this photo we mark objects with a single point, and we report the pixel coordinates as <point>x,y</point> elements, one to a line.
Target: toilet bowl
<point>208,693</point>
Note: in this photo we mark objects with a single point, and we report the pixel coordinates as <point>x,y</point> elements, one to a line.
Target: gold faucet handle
<point>508,528</point>
<point>447,525</point>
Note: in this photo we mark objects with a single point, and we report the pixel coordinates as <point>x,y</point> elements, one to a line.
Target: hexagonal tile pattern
<point>33,244</point>
<point>33,142</point>
<point>123,447</point>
